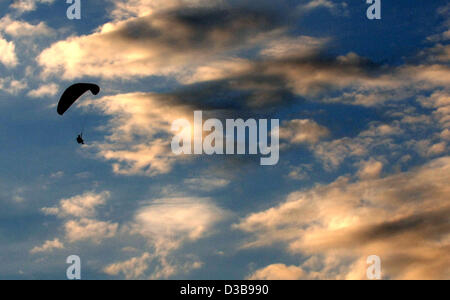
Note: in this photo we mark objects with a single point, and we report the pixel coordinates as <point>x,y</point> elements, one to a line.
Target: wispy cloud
<point>167,224</point>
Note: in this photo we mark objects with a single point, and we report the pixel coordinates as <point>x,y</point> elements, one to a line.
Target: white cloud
<point>89,229</point>
<point>302,131</point>
<point>370,169</point>
<point>79,214</point>
<point>44,90</point>
<point>168,223</point>
<point>340,8</point>
<point>8,51</point>
<point>132,268</point>
<point>17,28</point>
<point>57,175</point>
<point>278,272</point>
<point>206,184</point>
<point>137,267</point>
<point>81,206</point>
<point>28,5</point>
<point>48,246</point>
<point>286,47</point>
<point>12,86</point>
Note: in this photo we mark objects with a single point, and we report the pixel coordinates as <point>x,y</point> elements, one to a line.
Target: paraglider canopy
<point>73,93</point>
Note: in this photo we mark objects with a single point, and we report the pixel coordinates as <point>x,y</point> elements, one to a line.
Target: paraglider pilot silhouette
<point>80,139</point>
<point>71,95</point>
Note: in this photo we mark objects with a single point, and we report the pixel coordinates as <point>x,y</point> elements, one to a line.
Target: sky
<point>364,110</point>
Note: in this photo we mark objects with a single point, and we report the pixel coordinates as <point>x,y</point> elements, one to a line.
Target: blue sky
<point>364,166</point>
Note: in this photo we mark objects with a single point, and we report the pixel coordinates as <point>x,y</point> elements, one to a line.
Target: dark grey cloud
<point>267,84</point>
<point>428,225</point>
<point>190,29</point>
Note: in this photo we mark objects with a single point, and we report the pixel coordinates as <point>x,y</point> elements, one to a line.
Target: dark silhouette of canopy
<point>73,93</point>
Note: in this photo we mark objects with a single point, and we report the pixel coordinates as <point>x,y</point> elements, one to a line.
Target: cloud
<point>44,90</point>
<point>390,140</point>
<point>164,43</point>
<point>79,214</point>
<point>57,175</point>
<point>277,48</point>
<point>296,47</point>
<point>429,75</point>
<point>81,206</point>
<point>231,61</point>
<point>206,184</point>
<point>198,46</point>
<point>28,5</point>
<point>340,8</point>
<point>139,120</point>
<point>89,229</point>
<point>438,54</point>
<point>12,86</point>
<point>445,135</point>
<point>300,173</point>
<point>402,218</point>
<point>136,120</point>
<point>303,131</point>
<point>282,78</point>
<point>125,9</point>
<point>439,101</point>
<point>48,246</point>
<point>278,272</point>
<point>167,224</point>
<point>441,37</point>
<point>137,267</point>
<point>8,50</point>
<point>288,65</point>
<point>218,77</point>
<point>370,169</point>
<point>140,124</point>
<point>17,28</point>
<point>334,153</point>
<point>437,149</point>
<point>132,268</point>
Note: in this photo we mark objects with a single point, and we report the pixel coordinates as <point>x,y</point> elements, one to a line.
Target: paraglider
<point>71,95</point>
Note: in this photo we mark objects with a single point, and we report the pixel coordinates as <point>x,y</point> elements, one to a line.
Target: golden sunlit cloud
<point>401,218</point>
